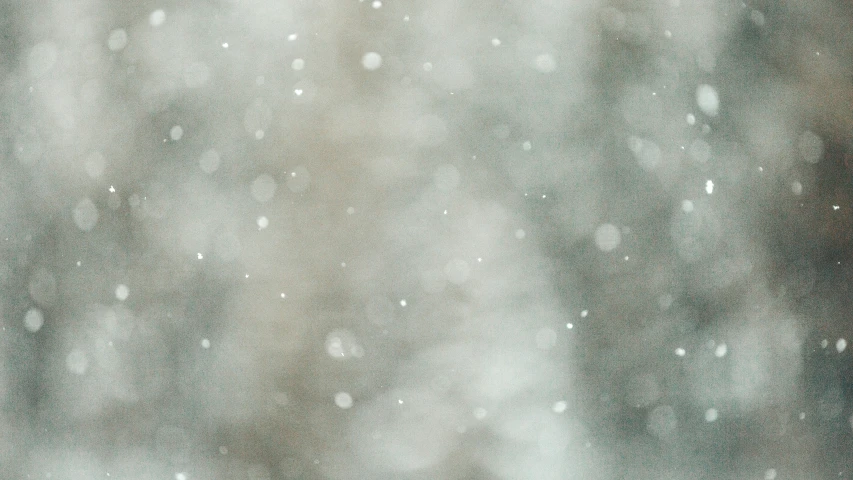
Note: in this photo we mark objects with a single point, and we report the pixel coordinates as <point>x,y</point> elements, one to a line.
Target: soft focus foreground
<point>270,239</point>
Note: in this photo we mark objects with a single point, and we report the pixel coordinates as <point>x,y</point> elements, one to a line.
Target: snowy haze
<point>348,240</point>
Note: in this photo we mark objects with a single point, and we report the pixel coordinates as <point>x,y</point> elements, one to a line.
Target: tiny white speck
<point>496,42</point>
<point>835,207</point>
<point>479,259</point>
<point>376,4</point>
<point>298,92</point>
<point>225,45</point>
<point>570,326</point>
<point>405,18</point>
<point>709,187</point>
<point>445,212</point>
<point>247,275</point>
<point>259,134</point>
<point>205,343</point>
<point>691,119</point>
<point>180,476</point>
<point>292,37</point>
<point>263,222</point>
<point>797,188</point>
<point>721,350</point>
<point>283,295</point>
<point>199,256</point>
<point>841,345</point>
<point>403,302</point>
<point>680,352</point>
<point>667,34</point>
<point>399,401</point>
<point>343,264</point>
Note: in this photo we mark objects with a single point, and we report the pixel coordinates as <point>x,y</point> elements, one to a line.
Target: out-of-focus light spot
<point>480,413</point>
<point>76,362</point>
<point>680,352</point>
<point>520,234</point>
<point>607,237</point>
<point>797,187</point>
<point>403,302</point>
<point>570,326</point>
<point>283,295</point>
<point>545,63</point>
<point>721,350</point>
<point>584,313</point>
<point>560,407</point>
<point>342,344</point>
<point>810,147</point>
<point>711,415</point>
<point>180,476</point>
<point>824,343</point>
<point>117,39</point>
<point>708,100</point>
<point>376,4</point>
<point>546,338</point>
<point>457,271</point>
<point>259,134</point>
<point>371,61</point>
<point>350,210</point>
<point>496,42</point>
<point>526,146</point>
<point>85,215</point>
<point>263,188</point>
<point>122,292</point>
<point>176,133</point>
<point>157,18</point>
<point>33,320</point>
<point>343,400</point>
<point>205,343</point>
<point>709,187</point>
<point>292,37</point>
<point>209,161</point>
<point>297,64</point>
<point>841,345</point>
<point>42,58</point>
<point>263,222</point>
<point>770,474</point>
<point>691,119</point>
<point>646,152</point>
<point>95,164</point>
<point>196,75</point>
<point>224,44</point>
<point>297,91</point>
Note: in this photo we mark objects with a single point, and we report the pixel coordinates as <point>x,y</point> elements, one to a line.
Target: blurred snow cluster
<point>347,240</point>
